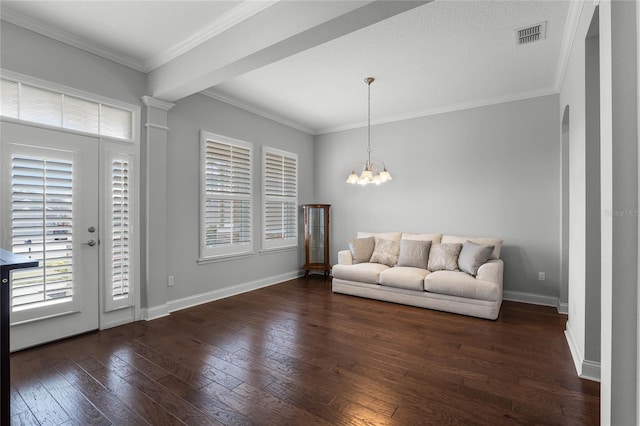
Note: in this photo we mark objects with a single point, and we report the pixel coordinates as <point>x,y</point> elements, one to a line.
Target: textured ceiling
<point>440,56</point>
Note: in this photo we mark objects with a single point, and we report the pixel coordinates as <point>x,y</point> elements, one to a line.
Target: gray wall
<point>38,56</point>
<point>186,119</point>
<point>489,171</point>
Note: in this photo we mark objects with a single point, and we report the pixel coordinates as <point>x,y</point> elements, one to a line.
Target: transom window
<point>37,105</point>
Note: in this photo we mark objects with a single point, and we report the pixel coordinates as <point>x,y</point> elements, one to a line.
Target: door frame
<point>113,318</point>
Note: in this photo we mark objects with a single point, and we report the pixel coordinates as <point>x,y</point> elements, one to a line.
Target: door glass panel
<point>120,228</point>
<point>41,222</point>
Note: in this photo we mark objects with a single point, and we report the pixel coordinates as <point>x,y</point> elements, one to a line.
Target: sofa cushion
<point>444,257</point>
<point>386,252</point>
<point>485,241</point>
<point>460,284</point>
<point>434,238</point>
<point>414,253</point>
<point>361,249</point>
<point>404,277</point>
<point>362,272</point>
<point>472,256</point>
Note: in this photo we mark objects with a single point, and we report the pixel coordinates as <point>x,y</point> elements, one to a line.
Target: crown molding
<point>256,110</point>
<point>67,38</point>
<point>568,38</point>
<point>236,15</point>
<point>449,108</point>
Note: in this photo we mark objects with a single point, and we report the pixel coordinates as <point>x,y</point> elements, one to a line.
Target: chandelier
<point>372,171</point>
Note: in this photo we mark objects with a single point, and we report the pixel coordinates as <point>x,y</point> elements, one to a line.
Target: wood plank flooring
<point>297,354</point>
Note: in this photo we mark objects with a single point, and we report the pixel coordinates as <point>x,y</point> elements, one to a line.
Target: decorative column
<point>154,213</point>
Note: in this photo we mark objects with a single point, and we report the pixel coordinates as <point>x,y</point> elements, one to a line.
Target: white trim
<point>282,242</point>
<point>231,18</point>
<point>576,354</point>
<point>531,298</point>
<point>585,369</point>
<point>156,126</point>
<point>590,370</point>
<point>199,299</point>
<point>155,312</point>
<point>244,248</point>
<point>568,38</point>
<point>39,27</point>
<point>156,103</point>
<point>131,146</point>
<point>67,90</point>
<point>563,308</point>
<point>214,94</point>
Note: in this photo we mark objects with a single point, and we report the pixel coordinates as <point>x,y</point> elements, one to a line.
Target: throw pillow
<point>444,257</point>
<point>414,253</point>
<point>361,249</point>
<point>472,256</point>
<point>386,252</point>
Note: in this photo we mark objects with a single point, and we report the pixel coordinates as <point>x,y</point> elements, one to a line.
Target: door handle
<point>89,243</point>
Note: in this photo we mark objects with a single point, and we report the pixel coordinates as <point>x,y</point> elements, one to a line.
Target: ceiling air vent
<point>531,33</point>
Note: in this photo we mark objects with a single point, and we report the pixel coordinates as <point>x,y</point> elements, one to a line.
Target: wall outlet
<point>541,276</point>
<point>170,281</point>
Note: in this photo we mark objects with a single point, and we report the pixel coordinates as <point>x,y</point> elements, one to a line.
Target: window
<point>30,103</point>
<point>280,199</point>
<point>41,221</point>
<point>119,213</point>
<point>226,196</point>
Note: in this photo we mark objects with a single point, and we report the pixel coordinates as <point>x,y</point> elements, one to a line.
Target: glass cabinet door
<point>316,226</point>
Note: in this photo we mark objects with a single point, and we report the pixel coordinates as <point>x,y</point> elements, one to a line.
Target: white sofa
<point>446,290</point>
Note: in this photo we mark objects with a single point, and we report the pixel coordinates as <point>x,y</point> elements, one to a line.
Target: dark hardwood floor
<point>297,354</point>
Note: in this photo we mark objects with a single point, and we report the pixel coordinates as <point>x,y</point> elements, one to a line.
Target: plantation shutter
<point>280,213</point>
<point>226,223</point>
<point>120,221</point>
<point>41,229</point>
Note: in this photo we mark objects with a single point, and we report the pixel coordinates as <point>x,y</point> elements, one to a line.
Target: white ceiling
<point>436,57</point>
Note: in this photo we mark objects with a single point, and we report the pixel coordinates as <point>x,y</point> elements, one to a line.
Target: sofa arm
<point>491,271</point>
<point>345,258</point>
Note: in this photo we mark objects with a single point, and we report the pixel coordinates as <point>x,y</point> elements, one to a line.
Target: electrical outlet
<point>541,276</point>
<point>170,281</point>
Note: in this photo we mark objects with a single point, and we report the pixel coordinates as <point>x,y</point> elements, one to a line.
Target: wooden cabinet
<point>316,238</point>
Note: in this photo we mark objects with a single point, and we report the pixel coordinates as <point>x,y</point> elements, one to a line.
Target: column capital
<point>156,103</point>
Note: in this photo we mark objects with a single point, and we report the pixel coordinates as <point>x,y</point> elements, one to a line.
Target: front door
<point>49,212</point>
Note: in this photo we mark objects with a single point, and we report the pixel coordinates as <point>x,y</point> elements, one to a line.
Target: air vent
<point>531,33</point>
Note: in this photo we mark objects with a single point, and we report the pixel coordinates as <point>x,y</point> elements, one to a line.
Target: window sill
<point>277,250</point>
<point>223,258</point>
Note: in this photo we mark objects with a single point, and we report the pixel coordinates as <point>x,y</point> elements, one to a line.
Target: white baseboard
<point>534,299</point>
<point>563,308</point>
<point>210,296</point>
<point>590,370</point>
<point>586,369</point>
<point>155,312</point>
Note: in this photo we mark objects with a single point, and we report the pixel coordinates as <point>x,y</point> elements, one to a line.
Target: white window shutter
<point>119,244</point>
<point>226,202</point>
<point>280,199</point>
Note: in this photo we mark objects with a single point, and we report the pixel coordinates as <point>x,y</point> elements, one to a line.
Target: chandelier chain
<point>369,81</point>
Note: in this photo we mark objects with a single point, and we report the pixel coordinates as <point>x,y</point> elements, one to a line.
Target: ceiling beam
<point>281,30</point>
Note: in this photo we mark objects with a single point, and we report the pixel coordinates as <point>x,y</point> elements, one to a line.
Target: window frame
<point>63,92</point>
<point>281,243</point>
<point>225,251</point>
